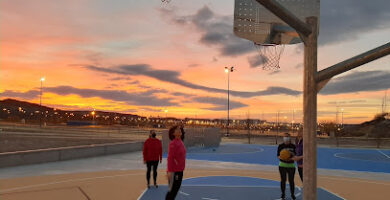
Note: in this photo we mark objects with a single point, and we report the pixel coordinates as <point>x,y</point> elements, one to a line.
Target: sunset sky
<point>143,56</point>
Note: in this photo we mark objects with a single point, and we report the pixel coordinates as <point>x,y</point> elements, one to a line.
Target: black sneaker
<point>155,185</point>
<point>148,186</point>
<point>293,197</point>
<point>283,197</point>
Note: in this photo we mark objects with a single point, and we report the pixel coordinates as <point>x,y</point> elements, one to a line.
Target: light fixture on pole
<point>277,123</point>
<point>228,70</point>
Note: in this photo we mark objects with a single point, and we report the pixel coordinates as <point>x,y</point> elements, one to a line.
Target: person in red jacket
<point>152,154</point>
<point>176,161</point>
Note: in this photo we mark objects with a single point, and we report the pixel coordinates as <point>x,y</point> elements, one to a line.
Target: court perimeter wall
<point>204,137</point>
<point>9,159</point>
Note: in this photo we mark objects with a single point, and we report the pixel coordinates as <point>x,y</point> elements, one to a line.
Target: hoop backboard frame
<point>254,22</point>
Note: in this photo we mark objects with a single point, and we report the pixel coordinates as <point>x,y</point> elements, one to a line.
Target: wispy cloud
<point>193,65</point>
<point>346,20</point>
<point>31,94</point>
<point>340,21</point>
<point>174,77</point>
<point>147,98</point>
<point>257,60</point>
<point>218,103</point>
<point>216,31</point>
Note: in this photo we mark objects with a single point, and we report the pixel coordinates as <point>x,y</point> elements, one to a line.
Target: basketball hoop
<point>270,55</point>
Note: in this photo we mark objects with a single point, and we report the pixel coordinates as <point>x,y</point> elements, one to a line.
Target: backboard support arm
<point>353,62</point>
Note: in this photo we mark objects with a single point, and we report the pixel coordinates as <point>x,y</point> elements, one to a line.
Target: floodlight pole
<point>40,104</point>
<point>228,70</point>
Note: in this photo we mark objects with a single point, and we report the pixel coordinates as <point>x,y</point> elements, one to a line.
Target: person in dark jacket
<point>152,152</point>
<point>287,166</point>
<point>176,161</point>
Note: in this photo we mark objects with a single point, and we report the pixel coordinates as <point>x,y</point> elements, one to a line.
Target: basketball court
<point>230,188</point>
<point>227,172</point>
<point>363,160</point>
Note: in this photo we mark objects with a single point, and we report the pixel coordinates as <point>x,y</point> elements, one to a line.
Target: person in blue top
<point>287,167</point>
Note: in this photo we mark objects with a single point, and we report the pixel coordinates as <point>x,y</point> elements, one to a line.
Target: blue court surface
<point>230,188</point>
<point>367,160</point>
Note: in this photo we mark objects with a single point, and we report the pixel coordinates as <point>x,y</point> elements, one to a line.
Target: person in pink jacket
<point>176,161</point>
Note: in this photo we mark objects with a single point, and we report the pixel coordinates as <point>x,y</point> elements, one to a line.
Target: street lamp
<point>40,101</point>
<point>228,70</point>
<point>342,116</point>
<point>93,116</point>
<point>166,113</point>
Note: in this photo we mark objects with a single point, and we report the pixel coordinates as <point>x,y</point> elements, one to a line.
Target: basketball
<point>285,154</point>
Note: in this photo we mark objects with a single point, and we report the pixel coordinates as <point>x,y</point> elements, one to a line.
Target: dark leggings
<point>300,171</point>
<point>291,173</point>
<point>174,185</point>
<point>149,165</point>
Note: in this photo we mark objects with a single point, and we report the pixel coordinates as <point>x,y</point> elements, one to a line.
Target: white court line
<point>183,193</point>
<point>66,181</point>
<point>321,176</point>
<point>194,177</point>
<point>360,181</point>
<point>383,154</point>
<point>337,155</point>
<point>208,198</point>
<point>233,186</point>
<point>333,193</point>
<point>257,151</point>
<point>142,194</point>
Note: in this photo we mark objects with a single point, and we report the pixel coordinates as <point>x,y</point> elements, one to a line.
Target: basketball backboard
<point>254,22</point>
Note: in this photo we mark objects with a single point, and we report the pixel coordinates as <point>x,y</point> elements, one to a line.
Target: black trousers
<point>174,185</point>
<point>284,171</point>
<point>300,171</point>
<point>149,165</point>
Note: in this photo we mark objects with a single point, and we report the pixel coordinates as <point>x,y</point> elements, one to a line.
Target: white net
<point>270,55</point>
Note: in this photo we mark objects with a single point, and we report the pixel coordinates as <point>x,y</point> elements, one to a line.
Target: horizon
<point>169,60</point>
<point>281,121</point>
